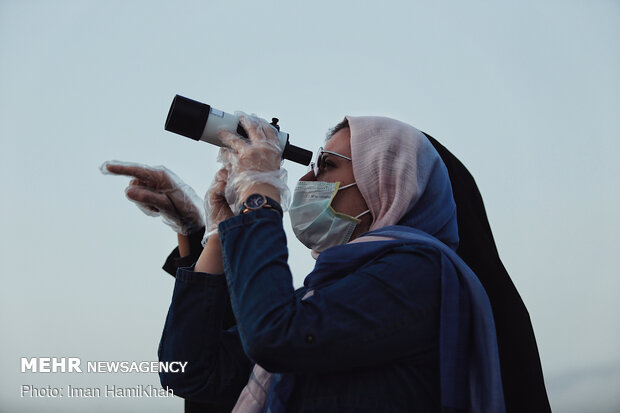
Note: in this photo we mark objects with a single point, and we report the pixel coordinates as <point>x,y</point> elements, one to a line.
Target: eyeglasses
<point>318,163</point>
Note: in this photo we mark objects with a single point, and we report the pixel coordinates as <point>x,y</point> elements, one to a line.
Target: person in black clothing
<point>157,191</point>
<point>522,376</point>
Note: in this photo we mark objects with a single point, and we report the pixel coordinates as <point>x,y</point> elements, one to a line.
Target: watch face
<point>255,201</point>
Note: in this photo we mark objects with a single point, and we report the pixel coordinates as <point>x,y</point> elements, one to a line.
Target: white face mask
<point>315,223</point>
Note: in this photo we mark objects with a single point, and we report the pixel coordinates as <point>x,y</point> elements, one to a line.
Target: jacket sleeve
<point>175,261</point>
<point>217,368</point>
<point>386,310</point>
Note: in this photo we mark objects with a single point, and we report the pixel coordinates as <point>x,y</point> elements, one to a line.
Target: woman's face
<point>336,169</point>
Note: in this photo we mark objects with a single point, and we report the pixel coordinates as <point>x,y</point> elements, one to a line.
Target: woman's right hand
<point>158,191</point>
<point>217,206</point>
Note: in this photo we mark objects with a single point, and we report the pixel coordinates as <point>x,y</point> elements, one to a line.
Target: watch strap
<point>269,203</point>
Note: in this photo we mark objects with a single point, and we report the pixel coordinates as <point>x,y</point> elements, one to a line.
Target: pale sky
<point>525,93</point>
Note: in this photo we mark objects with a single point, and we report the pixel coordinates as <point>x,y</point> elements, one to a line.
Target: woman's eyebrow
<point>330,157</point>
<point>336,154</point>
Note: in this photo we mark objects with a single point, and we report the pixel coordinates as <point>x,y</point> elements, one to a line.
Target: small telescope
<point>202,122</point>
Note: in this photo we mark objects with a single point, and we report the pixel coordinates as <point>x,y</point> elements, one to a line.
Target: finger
<point>137,182</point>
<point>232,140</point>
<point>223,157</point>
<point>222,175</point>
<point>252,127</point>
<point>149,198</point>
<point>269,131</point>
<point>218,188</point>
<point>143,173</point>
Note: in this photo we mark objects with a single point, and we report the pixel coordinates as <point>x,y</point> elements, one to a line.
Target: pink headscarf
<point>392,164</point>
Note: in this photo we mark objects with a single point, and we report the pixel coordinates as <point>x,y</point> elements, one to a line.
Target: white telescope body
<point>199,121</point>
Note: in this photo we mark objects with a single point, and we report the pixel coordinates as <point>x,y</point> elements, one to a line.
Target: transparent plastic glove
<point>255,161</point>
<point>216,204</point>
<point>230,194</point>
<point>157,191</point>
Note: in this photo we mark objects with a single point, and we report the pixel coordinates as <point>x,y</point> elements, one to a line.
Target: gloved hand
<point>158,191</point>
<point>254,162</point>
<point>216,205</point>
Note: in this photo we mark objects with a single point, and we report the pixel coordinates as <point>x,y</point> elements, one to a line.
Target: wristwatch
<point>258,201</point>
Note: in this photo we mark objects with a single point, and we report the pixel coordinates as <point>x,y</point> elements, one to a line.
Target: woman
<point>157,188</point>
<point>381,324</point>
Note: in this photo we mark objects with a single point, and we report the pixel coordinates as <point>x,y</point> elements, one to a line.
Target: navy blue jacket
<point>367,340</point>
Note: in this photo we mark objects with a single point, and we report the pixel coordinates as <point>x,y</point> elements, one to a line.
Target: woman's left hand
<point>262,153</point>
<point>254,165</point>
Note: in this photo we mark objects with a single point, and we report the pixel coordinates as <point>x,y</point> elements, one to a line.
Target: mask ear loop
<point>362,214</point>
<point>347,186</point>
